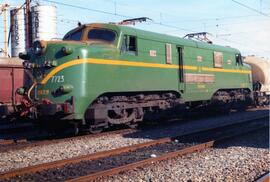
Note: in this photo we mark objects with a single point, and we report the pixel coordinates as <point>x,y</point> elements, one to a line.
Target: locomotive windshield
<point>74,35</point>
<point>95,34</point>
<point>101,34</point>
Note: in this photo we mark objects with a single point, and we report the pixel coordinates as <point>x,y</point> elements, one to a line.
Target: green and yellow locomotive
<point>107,74</point>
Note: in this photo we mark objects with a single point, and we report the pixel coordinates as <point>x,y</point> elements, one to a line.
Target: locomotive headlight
<point>67,50</point>
<point>38,47</point>
<point>66,88</point>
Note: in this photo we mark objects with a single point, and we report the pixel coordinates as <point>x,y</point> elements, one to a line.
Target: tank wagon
<point>260,78</point>
<point>105,74</point>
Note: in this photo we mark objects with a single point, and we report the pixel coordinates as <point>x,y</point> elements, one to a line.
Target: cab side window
<point>218,59</point>
<point>238,59</point>
<point>129,45</point>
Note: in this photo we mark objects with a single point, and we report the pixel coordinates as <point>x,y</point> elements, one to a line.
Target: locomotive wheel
<point>95,130</point>
<point>123,116</point>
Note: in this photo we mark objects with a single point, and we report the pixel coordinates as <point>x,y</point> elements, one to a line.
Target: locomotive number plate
<point>58,79</point>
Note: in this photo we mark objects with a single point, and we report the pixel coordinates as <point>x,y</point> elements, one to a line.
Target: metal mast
<point>27,31</point>
<point>4,9</point>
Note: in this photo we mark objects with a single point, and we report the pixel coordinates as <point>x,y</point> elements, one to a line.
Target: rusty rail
<point>9,142</point>
<point>264,178</point>
<point>6,142</point>
<point>131,166</point>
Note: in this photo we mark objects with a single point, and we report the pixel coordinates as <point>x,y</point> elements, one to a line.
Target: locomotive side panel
<point>214,69</point>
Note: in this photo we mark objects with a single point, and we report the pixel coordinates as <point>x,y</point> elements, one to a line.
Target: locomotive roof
<point>164,37</point>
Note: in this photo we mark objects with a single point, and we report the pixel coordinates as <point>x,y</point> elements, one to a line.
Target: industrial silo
<point>17,22</point>
<point>44,22</point>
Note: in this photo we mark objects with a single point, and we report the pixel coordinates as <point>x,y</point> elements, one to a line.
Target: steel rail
<point>264,178</point>
<point>6,142</point>
<point>131,166</point>
<point>9,142</point>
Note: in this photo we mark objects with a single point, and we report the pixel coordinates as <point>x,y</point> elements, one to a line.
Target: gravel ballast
<point>72,148</point>
<point>243,159</point>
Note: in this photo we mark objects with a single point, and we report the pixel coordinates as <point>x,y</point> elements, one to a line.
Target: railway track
<point>101,164</point>
<point>15,133</point>
<point>42,140</point>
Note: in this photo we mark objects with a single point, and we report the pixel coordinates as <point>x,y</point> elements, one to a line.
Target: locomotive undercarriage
<point>231,99</point>
<point>261,98</point>
<point>132,108</point>
<point>109,110</point>
<point>128,109</point>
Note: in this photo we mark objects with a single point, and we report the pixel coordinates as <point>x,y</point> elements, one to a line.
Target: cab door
<point>129,47</point>
<point>181,69</point>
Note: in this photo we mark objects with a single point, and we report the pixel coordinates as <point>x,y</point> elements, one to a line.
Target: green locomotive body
<point>107,73</point>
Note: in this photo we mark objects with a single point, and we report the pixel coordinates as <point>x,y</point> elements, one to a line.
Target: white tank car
<point>261,79</point>
<point>260,72</point>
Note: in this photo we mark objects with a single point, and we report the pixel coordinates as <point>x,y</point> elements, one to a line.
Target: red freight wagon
<point>11,78</point>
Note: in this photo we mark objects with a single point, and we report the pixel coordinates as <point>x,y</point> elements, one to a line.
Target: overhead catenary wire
<point>188,20</point>
<point>189,30</point>
<point>115,14</point>
<point>89,9</point>
<point>125,16</point>
<point>235,23</point>
<point>250,8</point>
<point>186,30</point>
<point>161,14</point>
<point>212,19</point>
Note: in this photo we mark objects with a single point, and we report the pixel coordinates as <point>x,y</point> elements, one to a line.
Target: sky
<point>242,24</point>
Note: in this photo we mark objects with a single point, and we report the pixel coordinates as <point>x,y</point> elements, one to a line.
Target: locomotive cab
<point>93,34</point>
